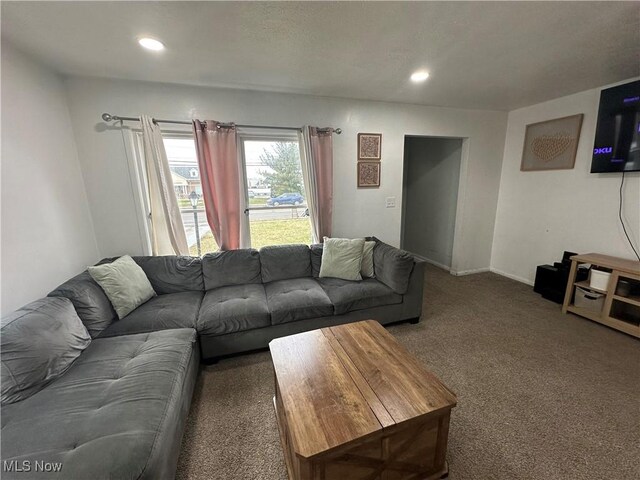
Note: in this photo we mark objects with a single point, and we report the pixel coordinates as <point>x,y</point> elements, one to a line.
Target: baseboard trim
<point>439,265</point>
<point>512,277</point>
<point>432,262</point>
<point>469,272</point>
<point>484,270</point>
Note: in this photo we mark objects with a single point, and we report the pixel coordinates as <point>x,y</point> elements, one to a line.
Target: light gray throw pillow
<point>125,284</point>
<point>367,260</point>
<point>39,342</point>
<point>342,258</point>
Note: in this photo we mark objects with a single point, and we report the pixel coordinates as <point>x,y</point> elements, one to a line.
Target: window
<point>275,193</point>
<point>277,212</point>
<point>183,163</point>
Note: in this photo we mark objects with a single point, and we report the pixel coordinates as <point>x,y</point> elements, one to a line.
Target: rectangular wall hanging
<point>369,146</point>
<point>552,144</point>
<point>368,174</point>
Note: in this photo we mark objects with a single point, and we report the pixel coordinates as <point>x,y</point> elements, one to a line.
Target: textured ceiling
<point>489,55</point>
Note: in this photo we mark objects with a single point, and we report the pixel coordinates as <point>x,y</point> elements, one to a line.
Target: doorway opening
<point>431,178</point>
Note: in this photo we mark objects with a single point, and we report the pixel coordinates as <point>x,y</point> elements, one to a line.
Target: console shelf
<point>621,269</point>
<point>632,300</point>
<point>585,284</point>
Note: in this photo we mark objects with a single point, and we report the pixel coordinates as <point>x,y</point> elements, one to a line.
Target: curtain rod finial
<point>107,117</point>
<point>338,131</point>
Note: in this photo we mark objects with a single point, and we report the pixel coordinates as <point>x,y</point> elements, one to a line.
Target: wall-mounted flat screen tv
<point>617,144</point>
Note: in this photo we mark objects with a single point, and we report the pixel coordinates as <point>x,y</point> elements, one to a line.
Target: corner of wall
<point>64,82</point>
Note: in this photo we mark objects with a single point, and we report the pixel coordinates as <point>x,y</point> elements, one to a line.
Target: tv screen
<point>617,144</point>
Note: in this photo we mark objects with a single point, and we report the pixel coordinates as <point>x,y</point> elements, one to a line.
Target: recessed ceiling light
<point>419,76</point>
<point>151,44</point>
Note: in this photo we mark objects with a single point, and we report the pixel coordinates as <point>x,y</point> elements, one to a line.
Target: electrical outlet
<point>391,202</point>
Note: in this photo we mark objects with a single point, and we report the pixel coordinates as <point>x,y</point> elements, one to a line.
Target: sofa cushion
<point>39,342</point>
<point>296,299</point>
<point>173,310</point>
<point>316,259</point>
<point>392,266</point>
<point>172,273</point>
<point>281,262</point>
<point>91,304</point>
<point>118,412</point>
<point>233,309</point>
<point>347,296</point>
<point>231,267</point>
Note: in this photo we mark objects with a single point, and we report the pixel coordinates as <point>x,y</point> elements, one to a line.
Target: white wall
<point>356,212</point>
<point>541,214</point>
<point>432,171</point>
<point>47,233</point>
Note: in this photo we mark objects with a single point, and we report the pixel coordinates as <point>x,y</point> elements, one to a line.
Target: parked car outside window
<point>286,199</point>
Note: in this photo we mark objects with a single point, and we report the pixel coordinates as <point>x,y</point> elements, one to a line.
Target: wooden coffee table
<point>353,404</point>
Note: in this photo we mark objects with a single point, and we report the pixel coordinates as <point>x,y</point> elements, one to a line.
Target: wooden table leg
<point>569,292</point>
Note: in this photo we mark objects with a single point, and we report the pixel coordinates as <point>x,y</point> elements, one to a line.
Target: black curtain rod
<point>107,117</point>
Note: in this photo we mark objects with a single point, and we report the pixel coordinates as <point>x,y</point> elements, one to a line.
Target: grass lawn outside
<point>266,232</point>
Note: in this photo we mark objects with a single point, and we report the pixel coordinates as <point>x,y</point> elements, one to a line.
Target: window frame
<point>262,135</point>
<point>139,181</point>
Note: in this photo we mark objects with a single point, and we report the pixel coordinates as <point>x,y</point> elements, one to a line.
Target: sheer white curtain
<point>167,229</point>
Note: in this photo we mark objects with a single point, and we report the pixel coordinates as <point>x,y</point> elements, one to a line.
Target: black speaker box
<point>551,280</point>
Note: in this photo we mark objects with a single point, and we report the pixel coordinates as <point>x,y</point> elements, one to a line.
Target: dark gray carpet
<point>541,395</point>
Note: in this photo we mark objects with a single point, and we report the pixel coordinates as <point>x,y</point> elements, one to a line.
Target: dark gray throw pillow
<point>39,342</point>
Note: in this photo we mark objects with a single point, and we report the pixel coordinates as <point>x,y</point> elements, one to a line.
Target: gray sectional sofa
<point>118,410</point>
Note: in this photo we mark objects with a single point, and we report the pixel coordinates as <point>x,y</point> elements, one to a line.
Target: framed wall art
<point>369,147</point>
<point>368,174</point>
<point>552,144</point>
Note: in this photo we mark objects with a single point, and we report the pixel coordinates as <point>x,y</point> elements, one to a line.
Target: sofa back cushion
<point>91,303</point>
<point>231,267</point>
<point>172,273</point>
<point>282,262</point>
<point>169,273</point>
<point>392,266</point>
<point>39,342</point>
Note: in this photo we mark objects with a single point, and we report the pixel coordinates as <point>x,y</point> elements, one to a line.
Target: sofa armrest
<point>412,300</point>
<point>392,266</point>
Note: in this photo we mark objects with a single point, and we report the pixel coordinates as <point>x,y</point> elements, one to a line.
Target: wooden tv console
<point>621,269</point>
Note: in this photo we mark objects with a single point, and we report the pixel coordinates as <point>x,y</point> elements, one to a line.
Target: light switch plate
<point>391,202</point>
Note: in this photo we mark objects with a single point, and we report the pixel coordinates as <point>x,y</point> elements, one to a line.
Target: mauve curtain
<point>220,174</point>
<point>317,170</point>
<point>167,229</point>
